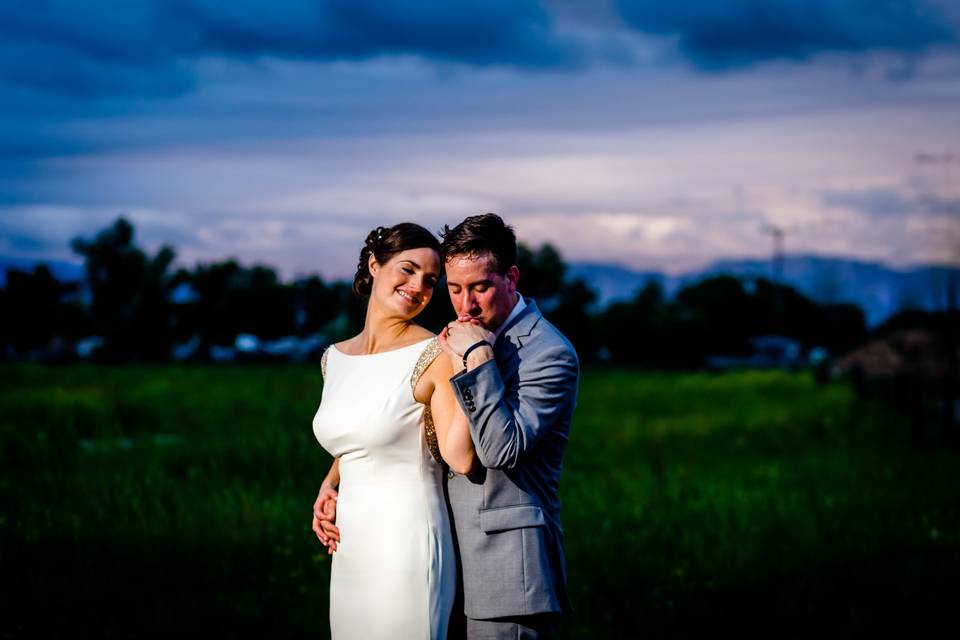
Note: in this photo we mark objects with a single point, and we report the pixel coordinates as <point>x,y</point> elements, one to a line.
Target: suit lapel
<point>522,326</point>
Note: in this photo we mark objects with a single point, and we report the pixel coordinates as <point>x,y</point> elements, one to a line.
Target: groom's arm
<point>505,426</point>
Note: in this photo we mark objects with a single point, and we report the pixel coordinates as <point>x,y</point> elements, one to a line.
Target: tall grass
<point>145,501</point>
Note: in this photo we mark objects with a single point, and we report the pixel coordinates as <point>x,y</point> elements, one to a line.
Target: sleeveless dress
<point>394,572</point>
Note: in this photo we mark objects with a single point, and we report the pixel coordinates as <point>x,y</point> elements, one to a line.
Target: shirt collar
<point>517,308</point>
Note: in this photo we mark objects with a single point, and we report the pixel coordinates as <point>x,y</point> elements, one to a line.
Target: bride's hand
<point>460,334</point>
<point>324,516</point>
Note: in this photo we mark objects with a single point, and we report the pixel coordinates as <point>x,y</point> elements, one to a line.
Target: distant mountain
<point>63,271</point>
<point>613,282</point>
<point>879,290</point>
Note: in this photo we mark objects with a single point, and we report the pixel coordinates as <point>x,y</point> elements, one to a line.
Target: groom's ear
<point>513,277</point>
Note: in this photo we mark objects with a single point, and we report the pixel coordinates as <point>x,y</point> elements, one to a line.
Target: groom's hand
<point>324,516</point>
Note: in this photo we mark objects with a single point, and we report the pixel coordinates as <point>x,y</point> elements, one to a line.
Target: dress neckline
<point>379,353</point>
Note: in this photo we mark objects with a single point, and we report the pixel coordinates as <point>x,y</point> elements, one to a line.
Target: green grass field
<point>146,501</point>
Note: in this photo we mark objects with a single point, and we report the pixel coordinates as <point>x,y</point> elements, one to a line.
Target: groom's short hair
<point>479,235</point>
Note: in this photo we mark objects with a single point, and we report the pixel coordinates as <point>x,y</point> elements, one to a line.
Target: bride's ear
<point>372,265</point>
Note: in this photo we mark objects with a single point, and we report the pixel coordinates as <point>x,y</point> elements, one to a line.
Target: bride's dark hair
<point>384,243</point>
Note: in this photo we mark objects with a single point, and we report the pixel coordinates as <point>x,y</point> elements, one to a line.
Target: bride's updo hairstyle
<point>384,243</point>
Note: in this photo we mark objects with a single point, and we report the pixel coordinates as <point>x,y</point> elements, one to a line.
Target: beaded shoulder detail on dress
<point>323,363</point>
<point>429,354</point>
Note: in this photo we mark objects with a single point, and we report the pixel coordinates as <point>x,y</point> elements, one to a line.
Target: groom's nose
<point>466,303</point>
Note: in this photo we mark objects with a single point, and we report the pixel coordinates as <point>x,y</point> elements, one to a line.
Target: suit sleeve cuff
<point>482,383</point>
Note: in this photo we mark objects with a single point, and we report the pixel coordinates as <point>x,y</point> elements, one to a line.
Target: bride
<point>389,417</point>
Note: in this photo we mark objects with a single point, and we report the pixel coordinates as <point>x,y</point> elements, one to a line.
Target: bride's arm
<point>332,479</point>
<point>449,421</point>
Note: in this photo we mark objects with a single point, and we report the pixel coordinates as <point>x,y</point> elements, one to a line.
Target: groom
<point>517,385</point>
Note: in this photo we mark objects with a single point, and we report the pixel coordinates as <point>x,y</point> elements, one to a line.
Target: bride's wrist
<point>456,362</point>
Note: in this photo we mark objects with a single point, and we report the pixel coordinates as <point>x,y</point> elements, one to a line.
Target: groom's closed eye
<point>477,287</point>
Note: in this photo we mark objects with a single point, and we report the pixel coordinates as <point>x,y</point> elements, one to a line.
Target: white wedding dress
<point>394,572</point>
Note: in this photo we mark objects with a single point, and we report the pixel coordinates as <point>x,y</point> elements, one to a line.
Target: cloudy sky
<point>658,135</point>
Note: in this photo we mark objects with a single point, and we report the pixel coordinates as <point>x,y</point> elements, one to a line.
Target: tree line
<point>140,307</point>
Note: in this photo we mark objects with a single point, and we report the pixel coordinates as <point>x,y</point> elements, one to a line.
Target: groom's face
<point>478,291</point>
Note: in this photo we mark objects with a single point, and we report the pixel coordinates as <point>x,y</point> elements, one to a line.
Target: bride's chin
<point>415,310</point>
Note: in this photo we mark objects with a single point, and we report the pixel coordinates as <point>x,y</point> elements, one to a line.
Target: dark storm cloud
<point>69,47</point>
<point>717,34</point>
<point>145,48</point>
<point>142,47</point>
<point>510,32</point>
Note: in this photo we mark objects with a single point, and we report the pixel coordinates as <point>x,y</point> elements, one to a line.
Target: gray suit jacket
<point>506,515</point>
